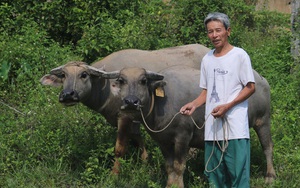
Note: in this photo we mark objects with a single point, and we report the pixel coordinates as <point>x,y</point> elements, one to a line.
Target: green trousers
<point>234,168</point>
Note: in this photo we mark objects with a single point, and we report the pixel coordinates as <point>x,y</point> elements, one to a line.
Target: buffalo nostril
<point>132,101</point>
<point>69,95</point>
<point>127,101</point>
<point>72,93</point>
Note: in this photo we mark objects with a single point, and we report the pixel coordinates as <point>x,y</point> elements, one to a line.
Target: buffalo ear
<point>153,75</point>
<point>156,84</point>
<point>51,80</point>
<point>157,87</point>
<point>57,70</point>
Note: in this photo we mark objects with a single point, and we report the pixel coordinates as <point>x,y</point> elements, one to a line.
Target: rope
<point>152,105</point>
<point>158,131</point>
<point>222,148</point>
<point>224,142</point>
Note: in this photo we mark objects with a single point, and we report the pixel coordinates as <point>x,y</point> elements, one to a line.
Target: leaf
<point>5,67</point>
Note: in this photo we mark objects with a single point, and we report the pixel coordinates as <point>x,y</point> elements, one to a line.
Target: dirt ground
<point>275,5</point>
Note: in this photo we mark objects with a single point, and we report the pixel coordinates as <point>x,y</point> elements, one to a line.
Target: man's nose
<point>214,34</point>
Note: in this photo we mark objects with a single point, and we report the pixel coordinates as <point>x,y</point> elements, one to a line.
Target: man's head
<point>218,29</point>
<point>217,16</point>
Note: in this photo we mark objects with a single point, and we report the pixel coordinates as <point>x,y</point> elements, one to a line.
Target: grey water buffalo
<point>156,98</point>
<point>156,60</point>
<point>85,84</point>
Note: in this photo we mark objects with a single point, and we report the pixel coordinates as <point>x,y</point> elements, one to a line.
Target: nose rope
<point>152,105</point>
<point>222,148</point>
<point>157,131</point>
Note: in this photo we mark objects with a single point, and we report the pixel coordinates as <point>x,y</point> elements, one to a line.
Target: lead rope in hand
<point>222,148</point>
<point>224,142</point>
<point>157,131</point>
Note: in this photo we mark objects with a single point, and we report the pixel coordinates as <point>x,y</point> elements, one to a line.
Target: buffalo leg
<point>122,142</point>
<point>264,135</point>
<point>137,137</point>
<point>171,171</point>
<point>168,153</point>
<point>181,152</point>
<point>175,164</point>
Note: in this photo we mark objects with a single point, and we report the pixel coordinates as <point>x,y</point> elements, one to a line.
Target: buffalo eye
<point>84,75</point>
<point>61,75</point>
<point>143,81</point>
<point>121,80</point>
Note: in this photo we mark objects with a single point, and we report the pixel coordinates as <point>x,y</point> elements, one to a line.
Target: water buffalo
<point>83,83</point>
<point>190,55</point>
<point>156,98</point>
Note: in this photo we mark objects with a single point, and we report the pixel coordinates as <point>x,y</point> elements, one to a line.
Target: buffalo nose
<point>132,102</point>
<point>68,96</point>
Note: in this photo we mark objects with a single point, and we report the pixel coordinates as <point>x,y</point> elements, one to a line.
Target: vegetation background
<point>44,144</point>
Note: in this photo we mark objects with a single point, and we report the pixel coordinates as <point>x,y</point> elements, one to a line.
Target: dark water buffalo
<point>159,97</point>
<point>83,83</point>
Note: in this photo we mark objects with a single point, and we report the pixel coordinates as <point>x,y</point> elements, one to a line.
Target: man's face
<point>217,33</point>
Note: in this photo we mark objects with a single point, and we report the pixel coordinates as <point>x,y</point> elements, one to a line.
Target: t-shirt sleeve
<point>246,71</point>
<point>203,81</point>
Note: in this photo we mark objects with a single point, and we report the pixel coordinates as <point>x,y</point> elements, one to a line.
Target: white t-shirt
<point>224,77</point>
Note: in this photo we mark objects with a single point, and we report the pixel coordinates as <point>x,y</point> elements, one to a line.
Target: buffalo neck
<point>149,110</point>
<point>102,101</point>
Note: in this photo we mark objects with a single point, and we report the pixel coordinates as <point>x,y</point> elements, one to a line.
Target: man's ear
<point>51,80</point>
<point>228,31</point>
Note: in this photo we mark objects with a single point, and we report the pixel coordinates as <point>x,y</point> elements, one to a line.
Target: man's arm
<point>189,108</point>
<point>221,110</point>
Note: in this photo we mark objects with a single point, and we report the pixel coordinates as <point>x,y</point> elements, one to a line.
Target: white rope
<point>224,142</point>
<point>157,131</point>
<point>154,131</point>
<point>222,148</point>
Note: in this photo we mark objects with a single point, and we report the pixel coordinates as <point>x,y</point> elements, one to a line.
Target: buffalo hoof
<point>116,168</point>
<point>269,179</point>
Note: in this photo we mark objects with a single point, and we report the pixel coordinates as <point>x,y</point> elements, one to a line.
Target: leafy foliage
<point>43,143</point>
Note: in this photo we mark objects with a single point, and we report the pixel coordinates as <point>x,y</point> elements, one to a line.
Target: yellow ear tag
<point>159,92</point>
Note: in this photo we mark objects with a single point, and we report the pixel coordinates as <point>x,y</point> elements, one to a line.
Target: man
<point>227,80</point>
